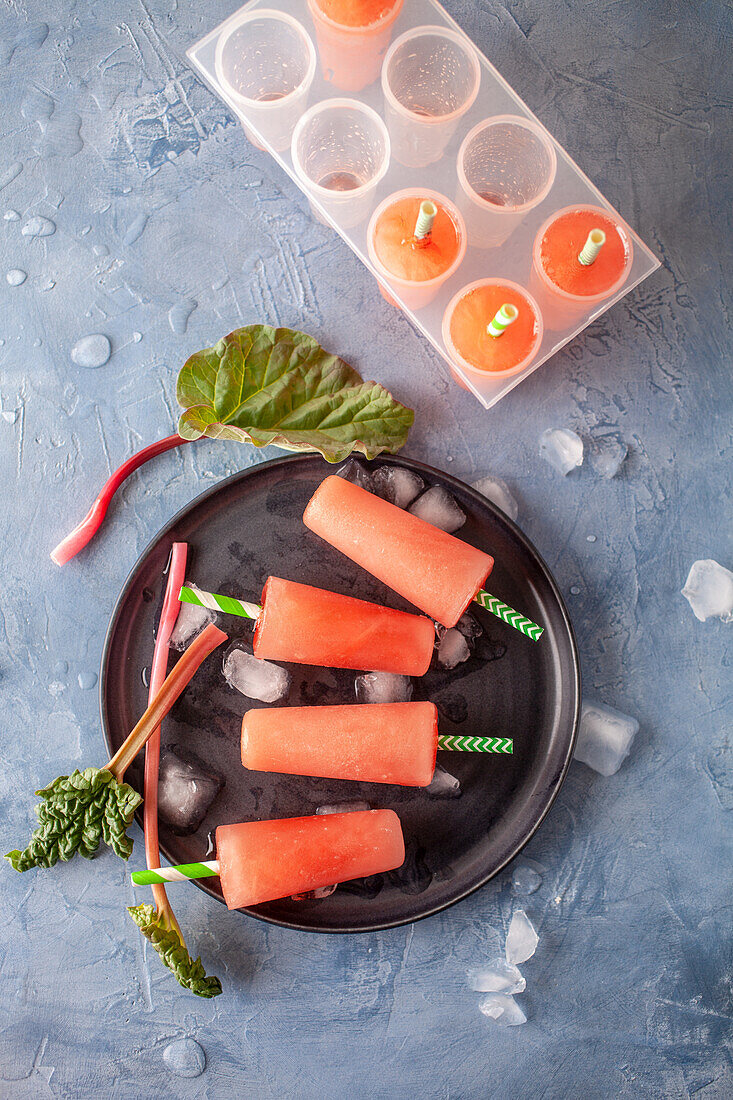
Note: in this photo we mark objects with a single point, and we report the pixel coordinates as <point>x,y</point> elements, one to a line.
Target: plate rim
<point>528,546</point>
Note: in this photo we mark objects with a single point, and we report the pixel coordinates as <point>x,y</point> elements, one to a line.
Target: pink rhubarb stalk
<point>87,529</point>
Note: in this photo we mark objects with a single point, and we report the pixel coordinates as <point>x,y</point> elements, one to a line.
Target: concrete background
<point>170,230</point>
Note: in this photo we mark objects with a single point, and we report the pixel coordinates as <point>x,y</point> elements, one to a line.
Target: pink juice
<point>465,329</point>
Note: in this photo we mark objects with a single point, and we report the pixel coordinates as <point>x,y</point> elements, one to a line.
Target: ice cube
<point>453,649</point>
<point>607,455</point>
<point>562,448</point>
<point>315,895</point>
<point>709,590</point>
<point>521,939</point>
<point>438,507</point>
<point>498,492</point>
<point>255,678</point>
<point>498,976</point>
<point>604,737</point>
<point>354,472</point>
<point>191,621</point>
<point>343,808</point>
<point>469,627</point>
<point>503,1009</point>
<point>397,485</point>
<point>383,687</point>
<point>525,880</point>
<point>443,784</point>
<point>185,792</point>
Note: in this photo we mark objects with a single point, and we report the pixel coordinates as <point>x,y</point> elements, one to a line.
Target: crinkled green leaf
<point>189,972</point>
<point>265,385</point>
<point>77,813</point>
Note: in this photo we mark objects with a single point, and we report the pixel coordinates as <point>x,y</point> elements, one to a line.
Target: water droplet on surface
<point>11,216</point>
<point>87,680</point>
<point>37,342</point>
<point>61,668</point>
<point>210,843</point>
<point>137,337</point>
<point>56,688</point>
<point>220,283</point>
<point>10,174</point>
<point>100,250</point>
<point>85,229</point>
<point>179,314</point>
<point>135,229</point>
<point>185,1058</point>
<point>91,351</point>
<point>590,538</point>
<point>15,277</point>
<point>38,227</point>
<point>48,285</point>
<point>145,677</point>
<point>575,590</point>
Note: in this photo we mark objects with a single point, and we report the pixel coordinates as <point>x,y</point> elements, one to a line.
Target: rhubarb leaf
<point>264,385</point>
<point>189,972</point>
<point>77,813</point>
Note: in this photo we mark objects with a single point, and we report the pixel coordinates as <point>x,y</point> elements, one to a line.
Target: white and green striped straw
<point>215,602</point>
<point>591,248</point>
<point>505,316</point>
<point>182,873</point>
<point>475,744</point>
<point>425,219</point>
<point>514,618</point>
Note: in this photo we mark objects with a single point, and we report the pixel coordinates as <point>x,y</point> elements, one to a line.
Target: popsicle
<point>437,572</point>
<point>374,742</point>
<point>310,626</point>
<point>476,344</point>
<point>353,36</point>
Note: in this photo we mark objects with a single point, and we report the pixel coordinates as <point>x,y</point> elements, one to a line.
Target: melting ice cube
<point>497,976</point>
<point>604,737</point>
<point>397,485</point>
<point>315,895</point>
<point>709,590</point>
<point>503,1009</point>
<point>469,627</point>
<point>498,492</point>
<point>521,939</point>
<point>453,649</point>
<point>607,455</point>
<point>343,808</point>
<point>443,784</point>
<point>562,448</point>
<point>383,687</point>
<point>438,507</point>
<point>255,678</point>
<point>356,473</point>
<point>185,792</point>
<point>191,621</point>
<point>525,880</point>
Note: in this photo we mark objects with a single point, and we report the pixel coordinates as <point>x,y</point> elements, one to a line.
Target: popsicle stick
<point>514,618</point>
<point>182,873</point>
<point>593,245</point>
<point>475,744</point>
<point>215,602</point>
<point>505,316</point>
<point>425,219</point>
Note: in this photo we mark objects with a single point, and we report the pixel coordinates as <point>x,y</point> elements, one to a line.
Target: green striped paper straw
<point>593,245</point>
<point>505,316</point>
<point>425,219</point>
<point>509,615</point>
<point>475,744</point>
<point>219,603</point>
<point>182,873</point>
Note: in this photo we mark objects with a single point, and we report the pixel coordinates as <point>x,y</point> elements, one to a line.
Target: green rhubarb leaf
<point>77,813</point>
<point>264,385</point>
<point>189,972</point>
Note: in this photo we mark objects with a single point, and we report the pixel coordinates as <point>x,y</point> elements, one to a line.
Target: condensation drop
<point>91,351</point>
<point>185,1058</point>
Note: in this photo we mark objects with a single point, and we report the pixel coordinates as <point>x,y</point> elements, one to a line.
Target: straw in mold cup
<point>506,166</point>
<point>477,310</point>
<point>415,293</point>
<point>352,37</point>
<point>340,152</point>
<point>265,63</point>
<point>610,266</point>
<point>430,78</point>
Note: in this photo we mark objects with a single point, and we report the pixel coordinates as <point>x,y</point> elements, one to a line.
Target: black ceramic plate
<point>250,526</point>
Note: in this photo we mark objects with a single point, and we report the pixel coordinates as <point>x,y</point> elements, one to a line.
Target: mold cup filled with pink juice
<point>492,328</point>
<point>353,37</point>
<point>582,255</point>
<point>416,241</point>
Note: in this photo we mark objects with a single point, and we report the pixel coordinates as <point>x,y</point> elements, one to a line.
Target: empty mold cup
<point>491,329</point>
<point>352,37</point>
<point>265,62</point>
<point>416,240</point>
<point>430,78</point>
<point>340,152</point>
<point>582,255</point>
<point>506,166</point>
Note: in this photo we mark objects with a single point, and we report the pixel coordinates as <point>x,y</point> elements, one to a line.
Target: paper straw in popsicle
<point>504,317</point>
<point>593,245</point>
<point>425,219</point>
<point>181,873</point>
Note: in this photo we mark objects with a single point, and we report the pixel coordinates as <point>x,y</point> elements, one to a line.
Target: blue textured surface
<point>168,225</point>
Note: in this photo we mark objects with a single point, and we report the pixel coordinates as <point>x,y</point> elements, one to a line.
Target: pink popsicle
<point>264,860</point>
<point>310,626</point>
<point>375,743</point>
<point>437,572</point>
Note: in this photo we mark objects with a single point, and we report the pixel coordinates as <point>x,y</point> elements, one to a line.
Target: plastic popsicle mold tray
<point>471,92</point>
